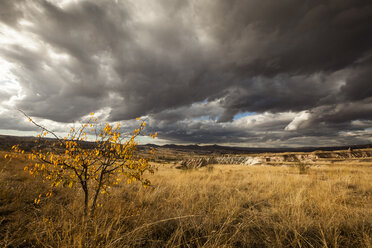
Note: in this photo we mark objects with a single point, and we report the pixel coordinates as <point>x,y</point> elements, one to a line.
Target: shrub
<point>93,166</point>
<point>302,167</point>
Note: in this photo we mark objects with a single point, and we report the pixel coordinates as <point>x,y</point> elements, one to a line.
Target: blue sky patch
<point>240,115</point>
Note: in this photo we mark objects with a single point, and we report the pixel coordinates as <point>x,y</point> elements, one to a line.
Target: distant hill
<point>240,150</point>
<point>7,141</point>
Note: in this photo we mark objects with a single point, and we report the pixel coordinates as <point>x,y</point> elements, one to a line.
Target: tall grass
<point>229,206</point>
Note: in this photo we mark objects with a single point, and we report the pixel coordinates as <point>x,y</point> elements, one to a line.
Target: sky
<point>254,73</point>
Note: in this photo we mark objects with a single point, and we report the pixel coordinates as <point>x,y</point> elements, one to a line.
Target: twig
<point>40,126</point>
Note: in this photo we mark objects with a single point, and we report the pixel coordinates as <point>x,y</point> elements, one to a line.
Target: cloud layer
<point>303,68</point>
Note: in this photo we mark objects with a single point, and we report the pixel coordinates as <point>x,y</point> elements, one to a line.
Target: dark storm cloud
<point>359,84</point>
<point>289,42</point>
<point>340,116</point>
<point>277,94</point>
<point>293,36</point>
<point>186,64</point>
<point>207,111</point>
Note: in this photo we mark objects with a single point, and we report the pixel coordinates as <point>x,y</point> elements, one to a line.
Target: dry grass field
<point>215,206</point>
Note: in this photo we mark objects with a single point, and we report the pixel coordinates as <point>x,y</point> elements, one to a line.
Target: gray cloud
<point>11,11</point>
<point>191,66</point>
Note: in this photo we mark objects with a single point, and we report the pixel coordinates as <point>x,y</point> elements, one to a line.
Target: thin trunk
<point>93,208</point>
<point>86,193</point>
<point>86,199</point>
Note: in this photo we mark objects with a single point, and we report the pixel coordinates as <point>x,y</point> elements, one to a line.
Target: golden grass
<point>223,206</point>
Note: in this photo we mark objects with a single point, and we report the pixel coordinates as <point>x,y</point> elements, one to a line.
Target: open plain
<point>216,205</point>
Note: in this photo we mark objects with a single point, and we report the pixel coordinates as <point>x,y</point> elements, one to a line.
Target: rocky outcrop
<point>195,163</point>
<point>278,158</point>
<point>247,160</point>
<point>346,154</point>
